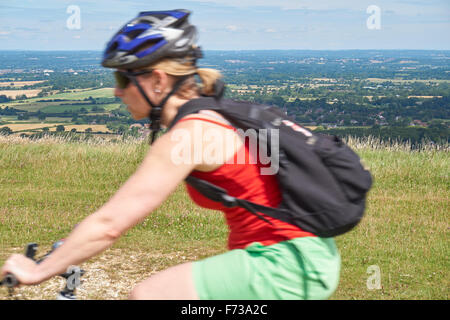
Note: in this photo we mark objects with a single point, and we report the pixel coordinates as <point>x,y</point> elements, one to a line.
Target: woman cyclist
<point>154,57</point>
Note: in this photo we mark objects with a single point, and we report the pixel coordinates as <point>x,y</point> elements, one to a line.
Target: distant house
<point>418,123</point>
<point>143,130</point>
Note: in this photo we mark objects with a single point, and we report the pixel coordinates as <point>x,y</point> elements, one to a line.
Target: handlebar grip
<point>10,281</point>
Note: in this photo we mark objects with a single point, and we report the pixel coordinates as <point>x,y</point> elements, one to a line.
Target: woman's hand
<point>23,268</point>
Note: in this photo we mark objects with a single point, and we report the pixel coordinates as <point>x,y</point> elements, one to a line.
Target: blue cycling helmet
<point>150,36</point>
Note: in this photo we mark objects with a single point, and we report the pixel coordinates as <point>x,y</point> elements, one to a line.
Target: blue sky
<point>236,24</point>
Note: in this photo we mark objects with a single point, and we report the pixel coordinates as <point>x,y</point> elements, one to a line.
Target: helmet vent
<point>146,45</point>
<point>134,34</point>
<point>113,47</point>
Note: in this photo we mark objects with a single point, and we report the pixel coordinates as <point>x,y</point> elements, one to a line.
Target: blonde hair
<point>183,67</point>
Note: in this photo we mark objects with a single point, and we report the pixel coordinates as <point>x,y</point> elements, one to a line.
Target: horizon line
<point>231,50</point>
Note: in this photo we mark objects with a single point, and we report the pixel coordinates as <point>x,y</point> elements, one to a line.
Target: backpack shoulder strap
<point>194,106</point>
<point>202,103</point>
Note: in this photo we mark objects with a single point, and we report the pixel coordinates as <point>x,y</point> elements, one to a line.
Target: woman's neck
<point>171,108</point>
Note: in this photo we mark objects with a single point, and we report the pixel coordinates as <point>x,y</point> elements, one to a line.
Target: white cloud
<point>232,28</point>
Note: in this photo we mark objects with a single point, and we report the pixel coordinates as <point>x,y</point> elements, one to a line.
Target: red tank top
<point>245,181</point>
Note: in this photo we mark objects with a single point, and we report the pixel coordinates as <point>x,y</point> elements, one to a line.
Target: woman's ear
<point>160,81</point>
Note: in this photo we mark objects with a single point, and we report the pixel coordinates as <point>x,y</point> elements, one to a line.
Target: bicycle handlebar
<point>10,280</point>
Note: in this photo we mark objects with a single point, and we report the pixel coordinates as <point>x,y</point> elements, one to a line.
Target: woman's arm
<point>143,192</point>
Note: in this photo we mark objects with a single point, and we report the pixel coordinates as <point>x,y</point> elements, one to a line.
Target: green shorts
<point>302,268</point>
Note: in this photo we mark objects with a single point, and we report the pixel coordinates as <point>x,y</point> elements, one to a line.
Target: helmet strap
<point>156,111</point>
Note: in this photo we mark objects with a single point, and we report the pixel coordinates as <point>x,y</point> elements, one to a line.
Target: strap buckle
<point>229,201</point>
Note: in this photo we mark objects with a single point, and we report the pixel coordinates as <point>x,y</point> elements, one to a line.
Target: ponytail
<point>208,78</point>
<point>177,68</point>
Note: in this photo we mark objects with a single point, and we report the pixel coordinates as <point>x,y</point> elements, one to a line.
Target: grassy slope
<point>405,231</point>
<point>46,188</point>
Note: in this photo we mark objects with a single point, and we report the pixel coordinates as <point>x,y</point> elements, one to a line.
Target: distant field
<point>51,107</point>
<point>77,95</point>
<point>45,104</point>
<point>409,97</point>
<point>291,99</point>
<point>31,105</point>
<point>14,93</point>
<point>377,80</point>
<point>82,94</point>
<point>56,119</point>
<point>24,127</point>
<point>62,108</point>
<point>8,118</point>
<point>324,79</point>
<point>83,127</point>
<point>424,97</point>
<point>18,84</point>
<point>28,126</point>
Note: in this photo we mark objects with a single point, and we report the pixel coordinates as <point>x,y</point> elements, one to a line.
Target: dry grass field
<point>424,97</point>
<point>19,84</point>
<point>14,93</point>
<point>24,127</point>
<point>28,126</point>
<point>83,127</point>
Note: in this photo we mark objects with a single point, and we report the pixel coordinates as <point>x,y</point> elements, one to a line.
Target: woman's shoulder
<point>214,133</point>
<point>208,116</point>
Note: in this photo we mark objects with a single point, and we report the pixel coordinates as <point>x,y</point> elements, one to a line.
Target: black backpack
<point>323,184</point>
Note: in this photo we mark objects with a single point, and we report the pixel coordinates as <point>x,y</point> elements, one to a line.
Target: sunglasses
<point>123,78</point>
